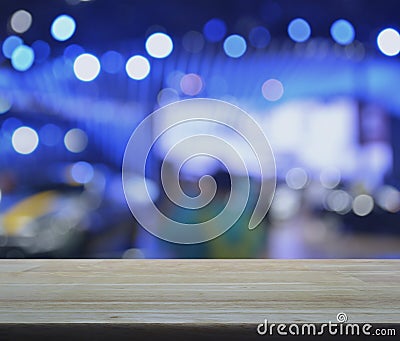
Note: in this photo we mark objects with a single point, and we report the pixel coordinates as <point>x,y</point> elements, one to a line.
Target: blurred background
<point>321,78</point>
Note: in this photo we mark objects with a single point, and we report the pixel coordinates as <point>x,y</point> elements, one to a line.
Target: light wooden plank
<point>198,291</point>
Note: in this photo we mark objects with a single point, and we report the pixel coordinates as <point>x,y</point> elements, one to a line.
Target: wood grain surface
<point>198,291</point>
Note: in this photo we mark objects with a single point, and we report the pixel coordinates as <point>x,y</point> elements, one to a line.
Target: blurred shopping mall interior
<point>321,78</point>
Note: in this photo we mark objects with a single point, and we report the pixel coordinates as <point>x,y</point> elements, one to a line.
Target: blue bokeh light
<point>82,172</point>
<point>214,30</point>
<point>299,30</point>
<point>22,58</point>
<point>10,44</point>
<point>235,46</point>
<point>63,27</point>
<point>11,124</point>
<point>62,68</point>
<point>72,51</point>
<point>259,37</point>
<point>41,50</point>
<point>342,32</point>
<point>112,61</point>
<point>50,134</point>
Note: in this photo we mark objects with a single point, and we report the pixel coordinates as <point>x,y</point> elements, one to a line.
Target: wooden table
<point>198,292</point>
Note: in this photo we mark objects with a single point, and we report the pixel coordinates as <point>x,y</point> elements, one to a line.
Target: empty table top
<point>198,291</point>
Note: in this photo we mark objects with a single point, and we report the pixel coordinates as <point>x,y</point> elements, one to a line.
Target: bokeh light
<point>138,194</point>
<point>21,21</point>
<point>339,201</point>
<point>363,205</point>
<point>72,51</point>
<point>272,90</point>
<point>62,68</point>
<point>72,2</point>
<point>82,172</point>
<point>389,42</point>
<point>112,62</point>
<point>193,42</point>
<point>22,58</point>
<point>10,44</point>
<point>159,45</point>
<point>214,30</point>
<point>298,78</point>
<point>259,37</point>
<point>342,32</point>
<point>50,134</point>
<point>191,84</point>
<point>330,177</point>
<point>296,178</point>
<point>41,50</point>
<point>388,198</point>
<point>63,27</point>
<point>75,140</point>
<point>10,124</point>
<point>133,254</point>
<point>137,67</point>
<point>5,104</point>
<point>86,67</point>
<point>286,203</point>
<point>299,30</point>
<point>174,79</point>
<point>25,140</point>
<point>235,46</point>
<point>167,96</point>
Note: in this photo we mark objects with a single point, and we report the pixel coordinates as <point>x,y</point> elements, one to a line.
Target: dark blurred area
<point>320,78</point>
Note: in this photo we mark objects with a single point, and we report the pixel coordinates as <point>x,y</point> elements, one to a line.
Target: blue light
<point>82,172</point>
<point>63,27</point>
<point>299,30</point>
<point>10,44</point>
<point>193,41</point>
<point>61,68</point>
<point>72,51</point>
<point>214,30</point>
<point>342,32</point>
<point>259,37</point>
<point>112,62</point>
<point>50,134</point>
<point>41,50</point>
<point>22,58</point>
<point>11,124</point>
<point>235,46</point>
